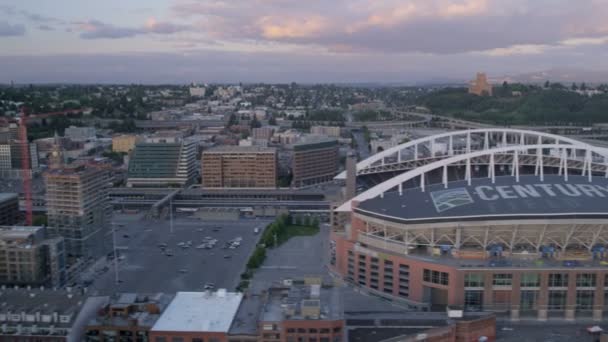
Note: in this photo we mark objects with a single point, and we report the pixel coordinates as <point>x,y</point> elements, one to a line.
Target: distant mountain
<point>565,76</point>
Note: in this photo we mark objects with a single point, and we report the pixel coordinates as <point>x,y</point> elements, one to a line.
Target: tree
<point>272,121</point>
<point>547,84</point>
<point>255,123</point>
<point>574,87</point>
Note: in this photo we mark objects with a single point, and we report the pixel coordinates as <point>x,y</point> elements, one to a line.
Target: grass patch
<point>296,230</point>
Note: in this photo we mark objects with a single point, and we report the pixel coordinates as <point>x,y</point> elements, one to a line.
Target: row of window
<point>530,279</point>
<point>313,330</point>
<point>556,299</point>
<point>435,277</point>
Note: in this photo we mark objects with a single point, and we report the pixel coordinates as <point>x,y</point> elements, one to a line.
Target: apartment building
<point>9,209</point>
<point>314,161</point>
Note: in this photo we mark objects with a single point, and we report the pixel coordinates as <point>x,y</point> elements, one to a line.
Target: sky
<point>308,41</point>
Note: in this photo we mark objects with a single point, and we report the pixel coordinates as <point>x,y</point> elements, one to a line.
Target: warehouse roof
<point>200,312</point>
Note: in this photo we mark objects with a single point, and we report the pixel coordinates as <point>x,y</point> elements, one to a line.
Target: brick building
<point>239,167</point>
<point>315,161</point>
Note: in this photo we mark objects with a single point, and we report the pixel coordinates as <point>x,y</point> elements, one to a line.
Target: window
<point>161,339</point>
<point>197,340</point>
<point>324,331</point>
<point>435,277</point>
<point>530,280</point>
<point>214,339</point>
<point>291,330</point>
<point>473,280</point>
<point>337,329</point>
<point>558,280</point>
<point>312,331</point>
<point>557,300</point>
<point>502,279</point>
<point>584,300</point>
<point>473,300</point>
<point>585,279</point>
<point>301,331</point>
<point>177,339</point>
<point>528,300</point>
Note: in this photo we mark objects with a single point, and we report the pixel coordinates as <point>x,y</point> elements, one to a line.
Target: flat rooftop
<point>530,198</point>
<point>7,196</point>
<point>240,149</point>
<point>200,312</point>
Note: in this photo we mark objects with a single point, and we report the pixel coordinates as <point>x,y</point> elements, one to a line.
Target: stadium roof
<point>200,312</point>
<point>505,199</point>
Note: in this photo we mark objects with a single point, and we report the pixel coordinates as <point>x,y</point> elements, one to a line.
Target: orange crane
<point>25,156</point>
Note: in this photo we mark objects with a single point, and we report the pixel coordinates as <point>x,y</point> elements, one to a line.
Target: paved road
<point>146,269</point>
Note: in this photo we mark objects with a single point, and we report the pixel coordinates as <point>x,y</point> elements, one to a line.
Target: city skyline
<point>178,41</point>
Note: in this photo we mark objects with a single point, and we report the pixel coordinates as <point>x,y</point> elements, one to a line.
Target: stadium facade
<point>509,221</point>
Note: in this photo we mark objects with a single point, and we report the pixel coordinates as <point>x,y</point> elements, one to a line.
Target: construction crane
<point>25,156</point>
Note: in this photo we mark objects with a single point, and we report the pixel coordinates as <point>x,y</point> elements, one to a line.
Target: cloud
<point>9,30</point>
<point>399,26</point>
<point>44,27</point>
<point>95,29</point>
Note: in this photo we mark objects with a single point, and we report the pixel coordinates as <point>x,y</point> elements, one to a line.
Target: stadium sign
<point>457,197</point>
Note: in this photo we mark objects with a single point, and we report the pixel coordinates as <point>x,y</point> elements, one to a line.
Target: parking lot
<point>145,267</point>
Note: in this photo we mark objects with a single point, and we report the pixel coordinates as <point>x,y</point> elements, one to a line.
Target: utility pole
<point>115,254</point>
<point>171,215</point>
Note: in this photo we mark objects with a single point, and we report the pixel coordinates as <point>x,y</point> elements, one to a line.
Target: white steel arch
<point>592,154</point>
<point>519,136</point>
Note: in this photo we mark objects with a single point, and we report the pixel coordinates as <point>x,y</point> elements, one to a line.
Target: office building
<point>302,312</point>
<point>197,317</point>
<point>315,161</point>
<point>331,131</point>
<point>125,143</point>
<point>480,85</point>
<point>126,317</point>
<point>40,314</point>
<point>78,209</point>
<point>80,133</point>
<point>11,159</point>
<point>9,209</point>
<point>239,167</point>
<point>28,257</point>
<point>163,164</point>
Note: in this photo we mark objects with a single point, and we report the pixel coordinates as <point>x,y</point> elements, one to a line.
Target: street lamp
<point>115,254</point>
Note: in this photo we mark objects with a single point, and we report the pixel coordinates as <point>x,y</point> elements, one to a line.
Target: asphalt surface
<point>545,332</point>
<point>144,268</point>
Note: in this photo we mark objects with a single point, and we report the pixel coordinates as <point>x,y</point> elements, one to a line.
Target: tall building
<point>28,257</point>
<point>162,164</point>
<point>480,85</point>
<point>239,167</point>
<point>264,133</point>
<point>314,162</point>
<point>125,142</point>
<point>78,209</point>
<point>11,155</point>
<point>9,209</point>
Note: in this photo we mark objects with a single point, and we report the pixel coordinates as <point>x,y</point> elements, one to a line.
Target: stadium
<point>502,220</point>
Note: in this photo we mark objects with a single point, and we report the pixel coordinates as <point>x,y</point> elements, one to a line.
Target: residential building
<point>480,85</point>
<point>197,317</point>
<point>162,164</point>
<point>28,257</point>
<point>126,317</point>
<point>80,133</point>
<point>11,159</point>
<point>239,167</point>
<point>125,142</point>
<point>197,91</point>
<point>78,209</point>
<point>314,161</point>
<point>262,133</point>
<point>39,314</point>
<point>9,209</point>
<point>331,131</point>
